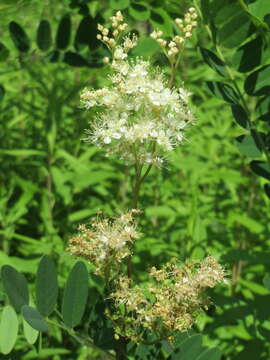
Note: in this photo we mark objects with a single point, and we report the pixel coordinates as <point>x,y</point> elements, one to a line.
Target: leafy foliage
<point>211,197</point>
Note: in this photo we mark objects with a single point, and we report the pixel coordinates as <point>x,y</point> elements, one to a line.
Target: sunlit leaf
<point>9,326</point>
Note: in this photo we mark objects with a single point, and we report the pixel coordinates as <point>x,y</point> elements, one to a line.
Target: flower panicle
<point>172,302</point>
<point>107,242</point>
<point>175,45</point>
<point>111,38</point>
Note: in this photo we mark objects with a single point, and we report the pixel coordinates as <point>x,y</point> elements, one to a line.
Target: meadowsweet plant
<point>122,127</point>
<point>140,117</point>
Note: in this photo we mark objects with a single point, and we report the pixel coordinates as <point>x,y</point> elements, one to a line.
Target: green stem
<point>174,68</point>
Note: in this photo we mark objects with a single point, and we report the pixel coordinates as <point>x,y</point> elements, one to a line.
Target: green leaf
<point>34,318</point>
<point>139,11</point>
<point>30,334</point>
<point>160,211</point>
<point>266,281</point>
<point>75,59</point>
<point>22,152</point>
<point>248,56</point>
<point>81,214</point>
<point>259,8</point>
<point>2,92</point>
<point>63,32</point>
<point>44,35</point>
<point>251,224</point>
<point>86,34</point>
<point>46,286</point>
<point>258,83</point>
<point>53,56</point>
<point>240,116</point>
<point>19,37</point>
<point>235,31</point>
<point>267,190</point>
<point>146,47</point>
<point>263,108</point>
<point>75,295</point>
<point>223,11</point>
<point>9,326</point>
<point>161,20</point>
<point>210,354</point>
<point>4,52</point>
<point>189,349</point>
<point>213,61</point>
<point>260,168</point>
<point>15,286</point>
<point>223,91</point>
<point>247,146</point>
<point>119,4</point>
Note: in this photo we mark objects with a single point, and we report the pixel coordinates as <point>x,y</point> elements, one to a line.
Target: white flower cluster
<point>141,116</point>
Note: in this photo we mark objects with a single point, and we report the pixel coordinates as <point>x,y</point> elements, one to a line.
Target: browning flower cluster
<point>171,302</point>
<point>106,243</point>
<point>141,116</point>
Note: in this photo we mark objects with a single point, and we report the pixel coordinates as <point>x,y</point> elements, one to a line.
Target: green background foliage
<point>212,197</point>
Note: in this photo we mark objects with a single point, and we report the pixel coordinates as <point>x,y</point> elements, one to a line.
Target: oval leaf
<point>213,61</point>
<point>44,35</point>
<point>210,354</point>
<point>15,286</point>
<point>247,146</point>
<point>260,168</point>
<point>74,59</point>
<point>9,326</point>
<point>2,92</point>
<point>4,52</point>
<point>223,91</point>
<point>189,349</point>
<point>75,295</point>
<point>248,56</point>
<point>235,31</point>
<point>161,20</point>
<point>30,334</point>
<point>267,190</point>
<point>86,34</point>
<point>19,37</point>
<point>258,83</point>
<point>119,4</point>
<point>46,286</point>
<point>139,11</point>
<point>259,8</point>
<point>34,318</point>
<point>63,32</point>
<point>240,116</point>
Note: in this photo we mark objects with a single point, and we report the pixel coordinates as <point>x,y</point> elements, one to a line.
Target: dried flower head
<point>171,302</point>
<point>106,243</point>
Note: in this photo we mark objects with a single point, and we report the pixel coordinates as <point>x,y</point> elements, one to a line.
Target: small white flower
<point>107,140</point>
